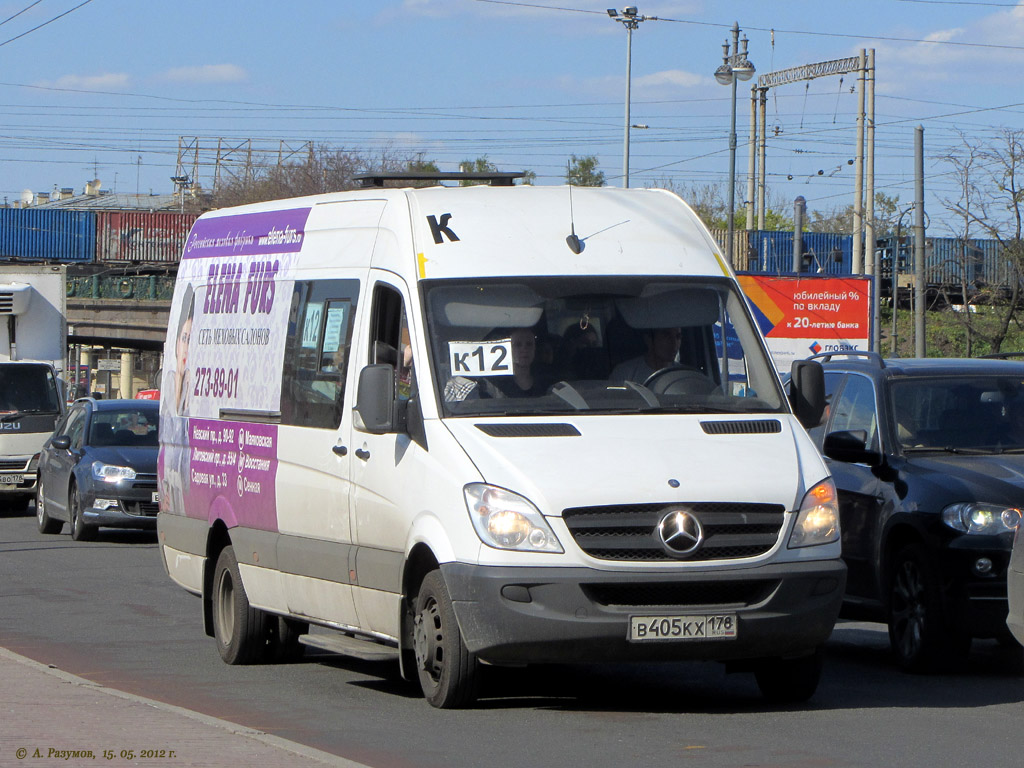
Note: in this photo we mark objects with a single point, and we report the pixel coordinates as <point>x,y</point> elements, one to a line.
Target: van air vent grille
<point>529,430</point>
<point>758,427</point>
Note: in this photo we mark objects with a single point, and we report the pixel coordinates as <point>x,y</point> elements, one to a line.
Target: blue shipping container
<point>824,253</point>
<point>47,235</point>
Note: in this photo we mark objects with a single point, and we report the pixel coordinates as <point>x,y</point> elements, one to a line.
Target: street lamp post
<point>735,67</point>
<point>630,18</point>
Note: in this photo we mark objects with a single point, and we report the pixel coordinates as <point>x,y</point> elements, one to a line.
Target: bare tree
<point>325,169</point>
<point>990,176</point>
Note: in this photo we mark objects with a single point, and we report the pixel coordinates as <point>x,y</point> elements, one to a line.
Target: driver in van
<point>662,351</point>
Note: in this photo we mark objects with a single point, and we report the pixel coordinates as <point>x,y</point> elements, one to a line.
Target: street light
<point>735,66</point>
<point>630,18</point>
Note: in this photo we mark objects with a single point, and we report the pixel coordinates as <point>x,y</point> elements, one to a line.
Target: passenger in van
<point>662,351</point>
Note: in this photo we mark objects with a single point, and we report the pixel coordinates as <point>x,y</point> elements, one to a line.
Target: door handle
<point>362,453</point>
<point>341,450</point>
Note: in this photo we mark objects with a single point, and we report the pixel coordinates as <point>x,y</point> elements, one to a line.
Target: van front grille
<point>629,531</point>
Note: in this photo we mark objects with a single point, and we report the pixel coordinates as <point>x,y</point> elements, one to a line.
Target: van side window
<point>389,338</point>
<point>316,352</point>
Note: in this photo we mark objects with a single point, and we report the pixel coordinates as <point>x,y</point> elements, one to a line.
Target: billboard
<point>802,315</point>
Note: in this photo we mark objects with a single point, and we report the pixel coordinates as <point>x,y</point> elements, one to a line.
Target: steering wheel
<point>680,380</point>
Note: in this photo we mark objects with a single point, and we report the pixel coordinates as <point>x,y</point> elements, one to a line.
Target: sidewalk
<point>50,718</point>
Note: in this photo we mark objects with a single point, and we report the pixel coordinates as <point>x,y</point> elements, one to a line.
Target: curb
<point>276,742</point>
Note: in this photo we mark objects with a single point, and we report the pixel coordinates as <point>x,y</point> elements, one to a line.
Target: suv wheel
<point>920,634</point>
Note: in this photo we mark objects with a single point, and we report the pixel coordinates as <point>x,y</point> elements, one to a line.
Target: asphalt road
<point>104,610</point>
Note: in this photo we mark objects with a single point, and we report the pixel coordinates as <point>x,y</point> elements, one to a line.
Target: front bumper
<point>977,600</point>
<point>552,615</point>
<point>16,479</point>
<point>134,509</point>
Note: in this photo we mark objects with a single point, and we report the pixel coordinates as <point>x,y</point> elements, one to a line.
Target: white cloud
<point>206,73</point>
<point>108,81</point>
<point>671,79</point>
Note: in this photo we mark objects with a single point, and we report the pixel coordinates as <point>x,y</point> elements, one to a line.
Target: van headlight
<point>110,473</point>
<point>506,520</point>
<point>977,517</point>
<point>818,519</point>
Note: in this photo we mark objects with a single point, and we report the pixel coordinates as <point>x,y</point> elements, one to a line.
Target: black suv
<point>927,456</point>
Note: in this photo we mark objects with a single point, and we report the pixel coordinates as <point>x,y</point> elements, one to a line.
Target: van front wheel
<point>241,630</point>
<point>447,670</point>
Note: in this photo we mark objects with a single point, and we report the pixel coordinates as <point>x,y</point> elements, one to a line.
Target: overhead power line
<point>40,26</point>
<point>748,28</point>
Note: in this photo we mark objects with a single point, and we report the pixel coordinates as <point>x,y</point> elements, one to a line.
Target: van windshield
<point>556,345</point>
<point>27,388</point>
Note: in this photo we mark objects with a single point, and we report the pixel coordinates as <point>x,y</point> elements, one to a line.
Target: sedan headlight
<point>506,520</point>
<point>110,473</point>
<point>977,517</point>
<point>818,519</point>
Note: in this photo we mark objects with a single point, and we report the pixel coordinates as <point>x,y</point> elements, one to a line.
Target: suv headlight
<point>506,520</point>
<point>978,517</point>
<point>110,473</point>
<point>818,519</point>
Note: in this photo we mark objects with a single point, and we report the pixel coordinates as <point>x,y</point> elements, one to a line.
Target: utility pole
<point>735,67</point>
<point>630,18</point>
<point>919,340</point>
<point>873,267</point>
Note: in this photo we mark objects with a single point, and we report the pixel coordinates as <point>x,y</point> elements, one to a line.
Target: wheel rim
<point>40,514</point>
<point>226,607</point>
<point>74,511</point>
<point>908,609</point>
<point>429,640</point>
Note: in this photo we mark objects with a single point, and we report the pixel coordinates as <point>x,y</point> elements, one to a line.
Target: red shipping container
<point>141,237</point>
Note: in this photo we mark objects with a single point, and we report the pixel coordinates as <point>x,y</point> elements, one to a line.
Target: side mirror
<point>850,447</point>
<point>375,399</point>
<point>807,392</point>
<point>61,443</point>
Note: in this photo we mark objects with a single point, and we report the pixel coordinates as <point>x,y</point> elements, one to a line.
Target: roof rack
<point>493,178</point>
<point>869,356</point>
<point>1002,355</point>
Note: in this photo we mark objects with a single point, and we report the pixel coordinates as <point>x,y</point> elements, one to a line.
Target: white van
<point>489,425</point>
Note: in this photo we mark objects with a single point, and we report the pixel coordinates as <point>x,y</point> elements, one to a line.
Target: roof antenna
<point>575,244</point>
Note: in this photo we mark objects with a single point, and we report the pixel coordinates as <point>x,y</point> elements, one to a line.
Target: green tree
<point>480,165</point>
<point>840,220</point>
<point>582,172</point>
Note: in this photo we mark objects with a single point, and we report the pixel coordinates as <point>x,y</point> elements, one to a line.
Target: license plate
<point>156,497</point>
<point>719,626</point>
<point>11,479</point>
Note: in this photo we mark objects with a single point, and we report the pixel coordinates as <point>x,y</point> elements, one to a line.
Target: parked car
<point>1015,584</point>
<point>928,460</point>
<point>99,468</point>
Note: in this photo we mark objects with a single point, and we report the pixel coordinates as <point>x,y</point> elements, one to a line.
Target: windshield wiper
<point>954,449</point>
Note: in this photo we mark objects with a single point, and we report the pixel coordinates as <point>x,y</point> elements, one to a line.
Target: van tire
<point>241,631</point>
<point>921,636</point>
<point>790,681</point>
<point>447,671</point>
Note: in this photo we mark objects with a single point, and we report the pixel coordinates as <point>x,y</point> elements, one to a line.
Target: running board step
<point>367,650</point>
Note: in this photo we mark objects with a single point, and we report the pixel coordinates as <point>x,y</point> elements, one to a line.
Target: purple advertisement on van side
<point>230,312</point>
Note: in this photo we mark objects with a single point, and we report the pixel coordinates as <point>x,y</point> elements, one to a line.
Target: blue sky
<point>107,90</point>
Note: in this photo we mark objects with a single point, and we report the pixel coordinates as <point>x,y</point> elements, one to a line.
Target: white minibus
<point>489,425</point>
